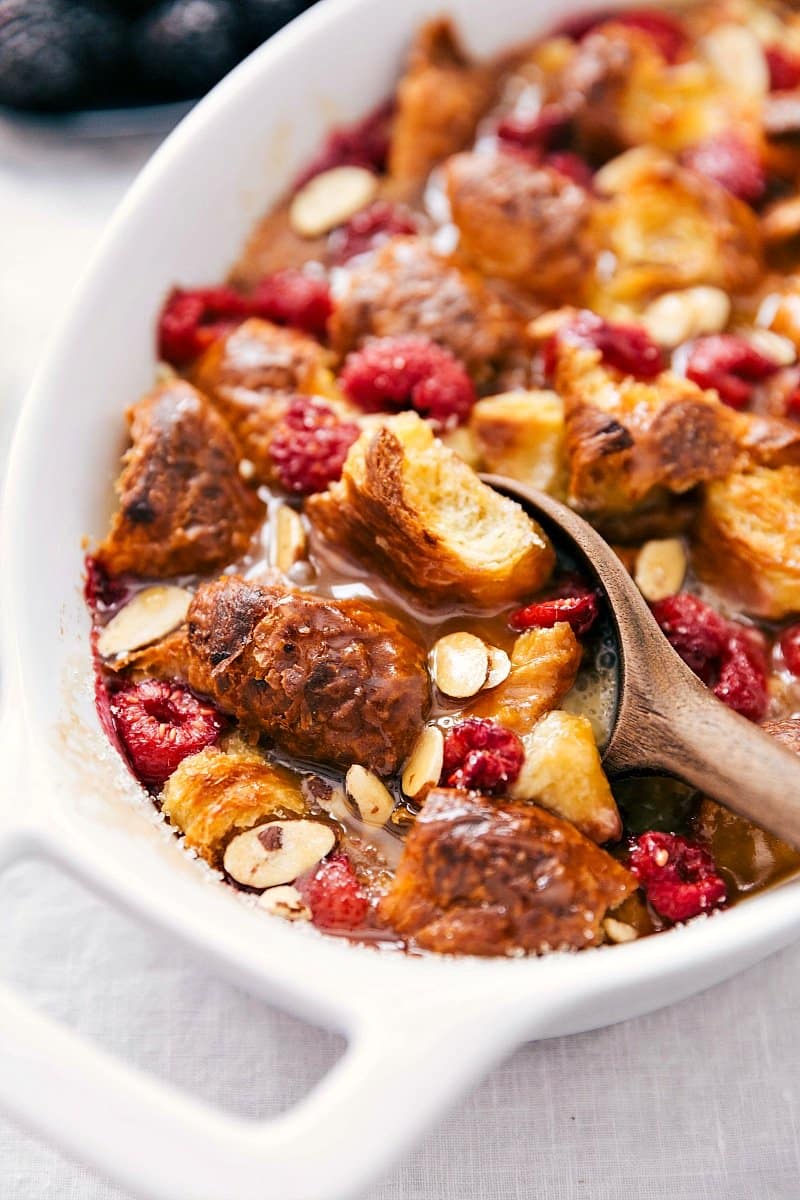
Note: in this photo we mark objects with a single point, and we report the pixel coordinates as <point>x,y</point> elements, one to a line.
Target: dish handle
<point>395,1079</point>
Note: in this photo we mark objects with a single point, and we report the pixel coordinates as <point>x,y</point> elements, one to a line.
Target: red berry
<point>573,166</point>
<point>730,365</point>
<point>695,630</point>
<point>789,643</point>
<point>784,69</point>
<point>294,298</point>
<point>679,876</point>
<point>369,229</point>
<point>628,348</point>
<point>579,612</point>
<point>481,755</point>
<point>362,144</point>
<point>101,591</point>
<point>535,130</point>
<point>730,162</point>
<point>666,31</point>
<point>160,724</point>
<point>334,895</point>
<point>309,445</point>
<point>191,320</point>
<point>742,681</point>
<point>391,374</point>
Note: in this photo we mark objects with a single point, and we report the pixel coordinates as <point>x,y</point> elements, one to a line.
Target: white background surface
<point>699,1102</point>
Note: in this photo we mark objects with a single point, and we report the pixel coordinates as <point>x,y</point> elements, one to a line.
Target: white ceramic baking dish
<point>420,1030</point>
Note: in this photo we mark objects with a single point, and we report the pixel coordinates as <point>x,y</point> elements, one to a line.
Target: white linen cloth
<point>698,1102</point>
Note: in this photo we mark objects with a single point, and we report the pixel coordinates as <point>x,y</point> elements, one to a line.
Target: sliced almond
<point>544,326</point>
<point>772,345</point>
<point>677,316</point>
<point>373,799</point>
<point>330,199</point>
<point>499,667</point>
<point>781,221</point>
<point>738,58</point>
<point>285,902</point>
<point>277,852</point>
<point>618,931</point>
<point>150,615</point>
<point>424,764</point>
<point>290,538</point>
<point>460,665</point>
<point>620,172</point>
<point>660,568</point>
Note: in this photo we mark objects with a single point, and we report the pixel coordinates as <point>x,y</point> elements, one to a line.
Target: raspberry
<point>369,229</point>
<point>294,298</point>
<point>160,724</point>
<point>695,630</point>
<point>309,445</point>
<point>666,32</point>
<point>334,895</point>
<point>574,603</point>
<point>789,644</point>
<point>391,374</point>
<point>730,162</point>
<point>191,320</point>
<point>362,144</point>
<point>679,877</point>
<point>784,69</point>
<point>730,365</point>
<point>101,591</point>
<point>628,348</point>
<point>539,130</point>
<point>742,681</point>
<point>481,755</point>
<point>573,166</point>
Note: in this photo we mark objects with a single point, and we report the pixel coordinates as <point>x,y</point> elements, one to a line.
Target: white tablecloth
<point>699,1102</point>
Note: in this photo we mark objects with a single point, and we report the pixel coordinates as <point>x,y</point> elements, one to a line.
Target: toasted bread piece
<point>562,771</point>
<point>520,222</point>
<point>183,507</point>
<point>631,443</point>
<point>413,509</point>
<point>439,102</point>
<point>544,665</point>
<point>483,876</point>
<point>251,375</point>
<point>521,435</point>
<point>669,229</point>
<point>219,792</point>
<point>748,540</point>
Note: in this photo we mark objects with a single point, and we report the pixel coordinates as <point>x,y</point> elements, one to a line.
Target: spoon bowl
<point>666,720</point>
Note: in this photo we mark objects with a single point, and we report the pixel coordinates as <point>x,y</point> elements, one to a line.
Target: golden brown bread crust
<point>631,443</point>
<point>414,511</point>
<point>217,793</point>
<point>405,287</point>
<point>523,223</point>
<point>439,102</point>
<point>521,435</point>
<point>748,540</point>
<point>336,681</point>
<point>183,507</point>
<point>544,665</point>
<point>250,376</point>
<point>480,876</point>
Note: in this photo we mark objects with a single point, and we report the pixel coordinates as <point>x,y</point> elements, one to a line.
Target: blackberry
<point>183,47</point>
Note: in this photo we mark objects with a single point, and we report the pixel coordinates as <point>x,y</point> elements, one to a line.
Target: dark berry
<point>309,445</point>
<point>392,374</point>
<point>628,348</point>
<point>789,644</point>
<point>695,630</point>
<point>262,18</point>
<point>730,365</point>
<point>481,756</point>
<point>369,228</point>
<point>363,144</point>
<point>102,592</point>
<point>295,298</point>
<point>679,876</point>
<point>57,54</point>
<point>784,69</point>
<point>335,895</point>
<point>191,320</point>
<point>161,723</point>
<point>730,162</point>
<point>183,47</point>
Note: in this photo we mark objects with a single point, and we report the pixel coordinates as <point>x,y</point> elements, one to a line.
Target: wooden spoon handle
<point>704,743</point>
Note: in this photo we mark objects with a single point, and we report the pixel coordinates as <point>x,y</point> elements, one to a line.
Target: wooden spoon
<point>667,721</point>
